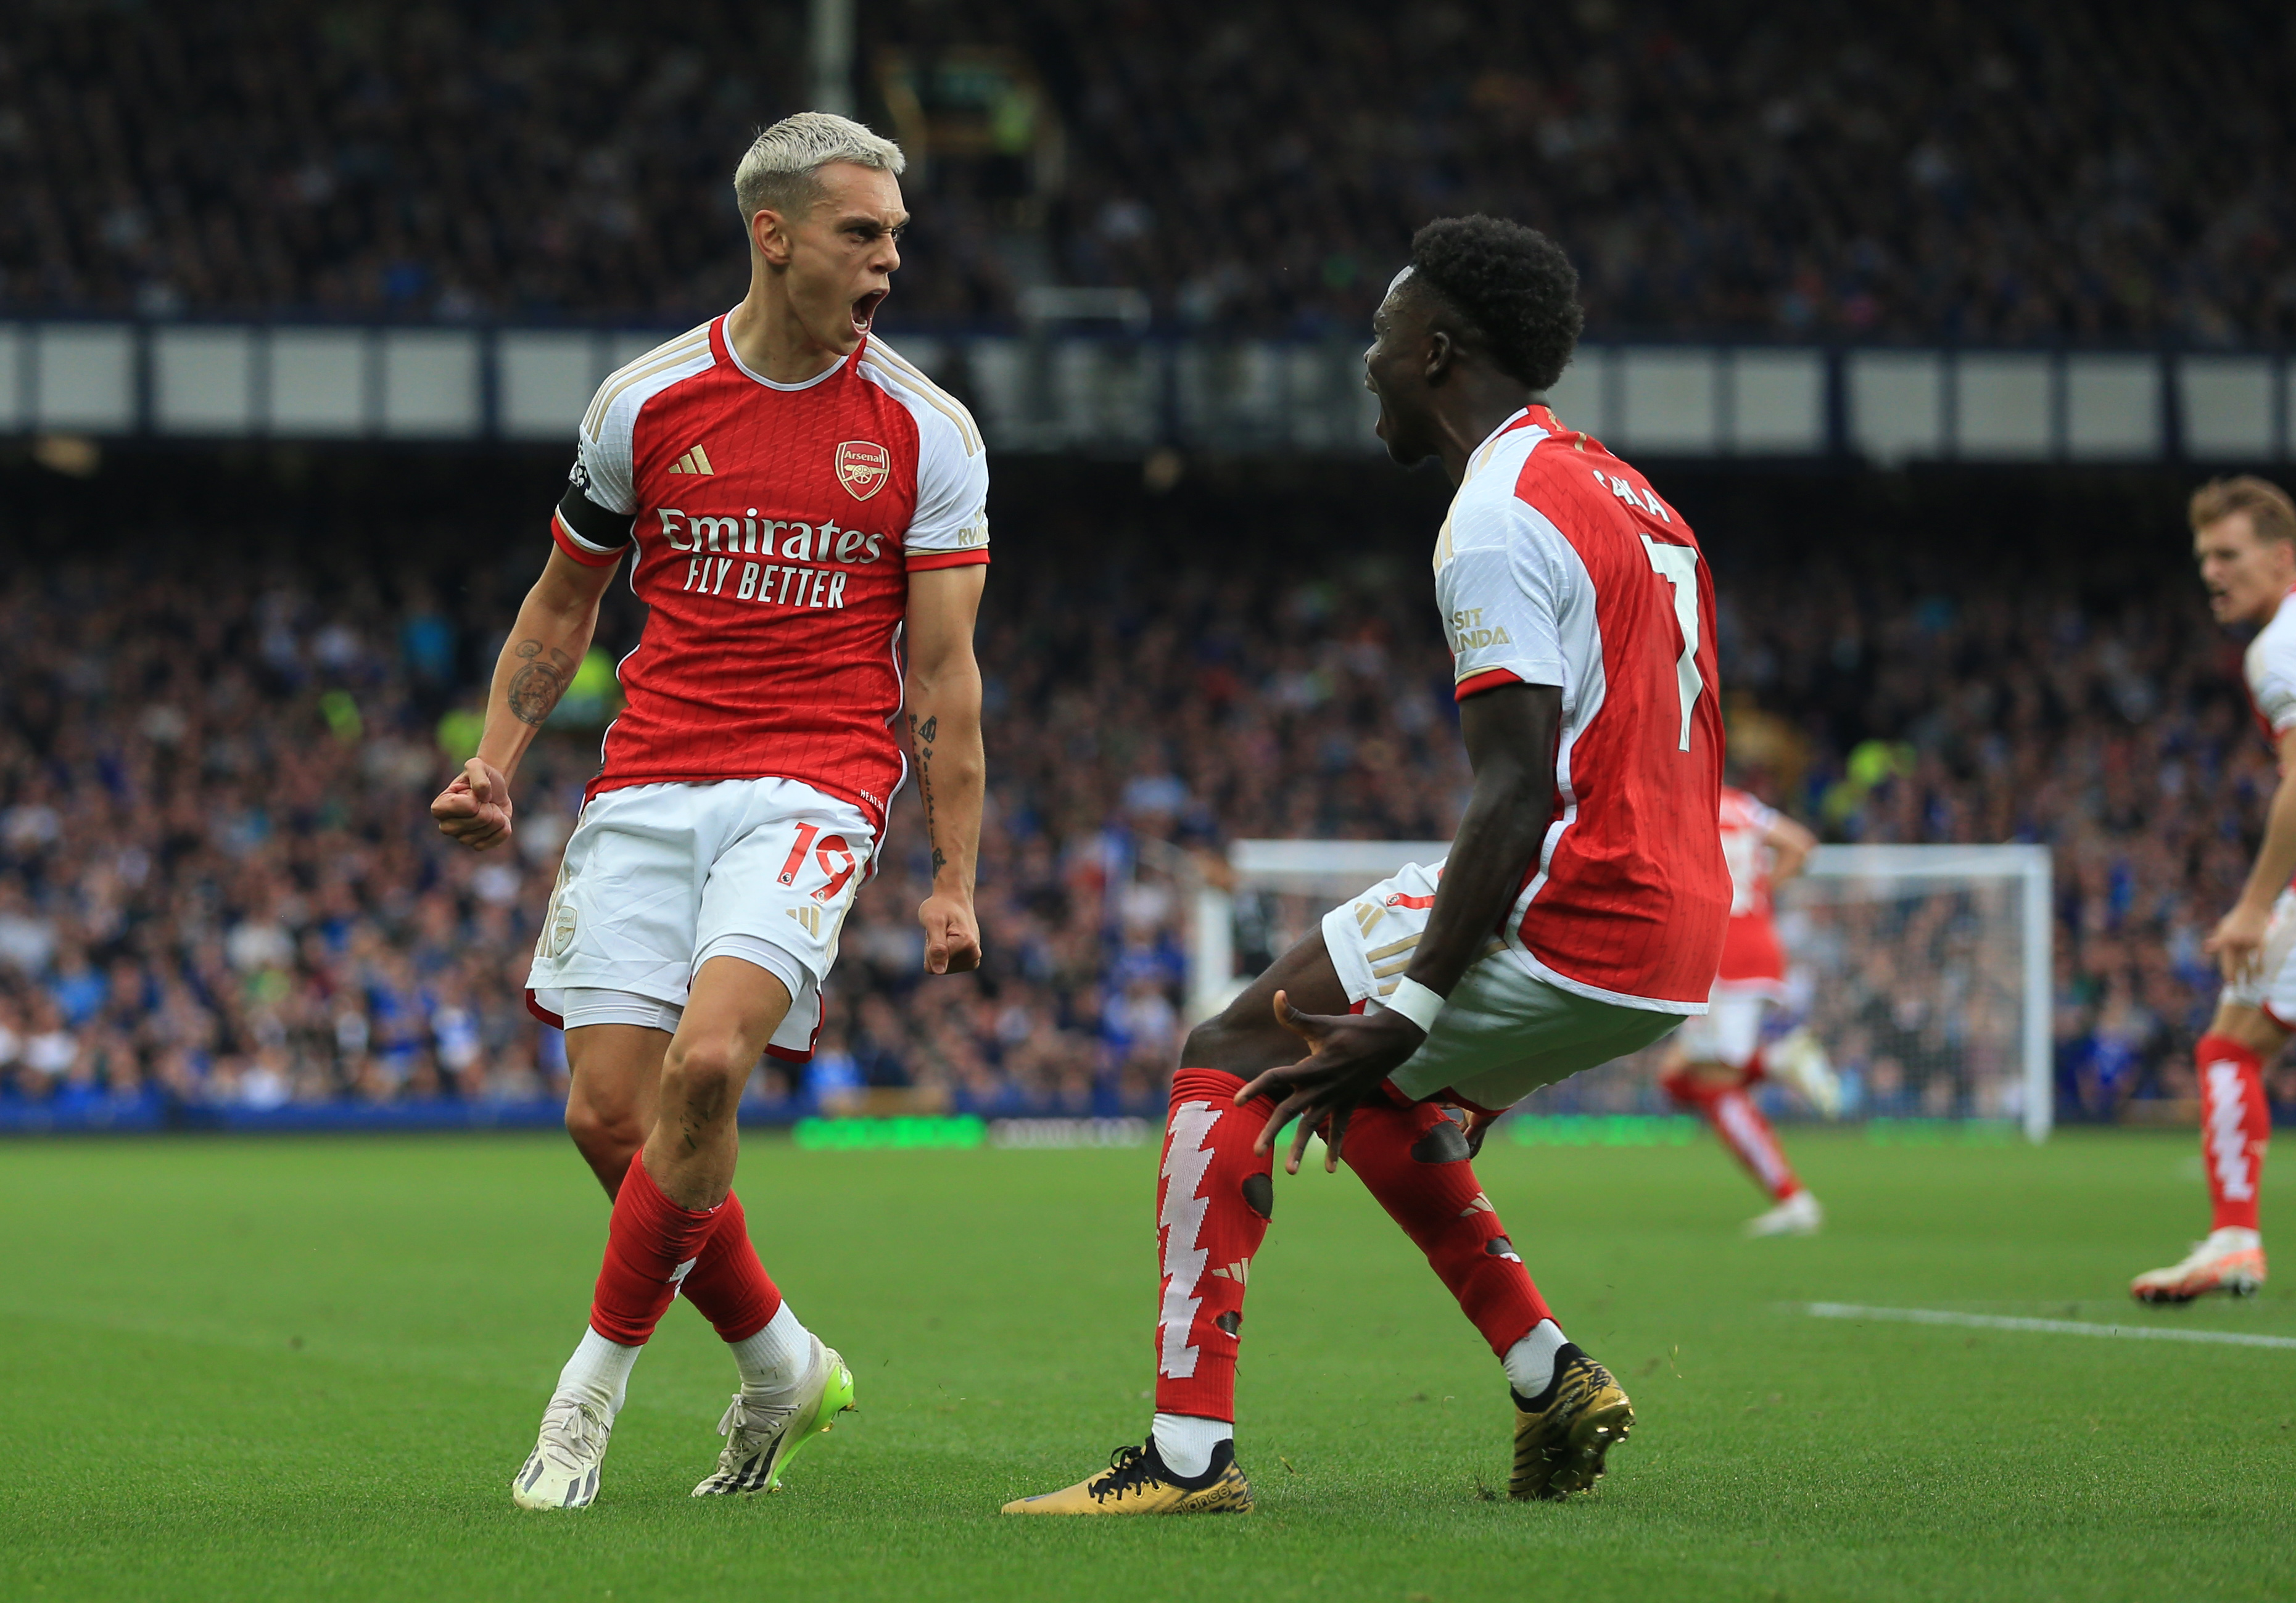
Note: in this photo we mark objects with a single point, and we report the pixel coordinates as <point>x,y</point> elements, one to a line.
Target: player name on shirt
<point>1559,565</point>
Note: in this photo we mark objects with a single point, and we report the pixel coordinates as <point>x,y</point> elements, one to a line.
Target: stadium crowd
<point>2007,172</point>
<point>219,885</point>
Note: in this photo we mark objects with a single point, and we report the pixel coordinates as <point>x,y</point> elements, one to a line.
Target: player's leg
<point>1501,1034</point>
<point>1713,1062</point>
<point>772,906</point>
<point>618,943</point>
<point>792,1386</point>
<point>671,1200</point>
<point>1214,1199</point>
<point>614,1070</point>
<point>614,1049</point>
<point>1416,1161</point>
<point>2235,1128</point>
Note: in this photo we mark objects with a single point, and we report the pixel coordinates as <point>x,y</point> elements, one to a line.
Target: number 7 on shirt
<point>1677,564</point>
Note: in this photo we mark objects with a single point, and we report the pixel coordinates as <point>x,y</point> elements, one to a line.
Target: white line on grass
<point>2046,1327</point>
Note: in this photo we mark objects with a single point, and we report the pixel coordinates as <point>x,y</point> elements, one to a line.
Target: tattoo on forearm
<point>535,688</point>
<point>924,734</point>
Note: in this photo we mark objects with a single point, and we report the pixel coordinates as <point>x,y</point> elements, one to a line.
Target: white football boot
<point>764,1429</point>
<point>1797,1058</point>
<point>562,1470</point>
<point>2231,1261</point>
<point>1797,1215</point>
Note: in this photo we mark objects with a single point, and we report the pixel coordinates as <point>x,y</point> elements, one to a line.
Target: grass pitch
<point>305,1370</point>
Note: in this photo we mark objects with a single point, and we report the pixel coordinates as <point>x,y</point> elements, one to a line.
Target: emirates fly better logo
<point>863,466</point>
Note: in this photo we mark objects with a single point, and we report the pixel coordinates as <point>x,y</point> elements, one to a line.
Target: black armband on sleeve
<point>604,532</point>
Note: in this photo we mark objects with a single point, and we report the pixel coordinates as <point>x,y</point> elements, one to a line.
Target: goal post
<point>1925,970</point>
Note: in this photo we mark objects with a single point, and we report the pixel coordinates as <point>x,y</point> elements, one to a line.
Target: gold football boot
<point>1136,1482</point>
<point>1560,1445</point>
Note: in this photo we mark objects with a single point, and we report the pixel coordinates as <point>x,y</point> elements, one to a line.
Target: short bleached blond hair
<point>781,170</point>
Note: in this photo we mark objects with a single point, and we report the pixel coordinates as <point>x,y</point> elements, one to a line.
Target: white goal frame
<point>1339,869</point>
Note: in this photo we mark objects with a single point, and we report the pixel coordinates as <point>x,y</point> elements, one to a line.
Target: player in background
<point>2244,539</point>
<point>1712,1061</point>
<point>803,515</point>
<point>1577,918</point>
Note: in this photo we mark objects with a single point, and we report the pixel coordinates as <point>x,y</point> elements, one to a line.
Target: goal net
<point>1923,970</point>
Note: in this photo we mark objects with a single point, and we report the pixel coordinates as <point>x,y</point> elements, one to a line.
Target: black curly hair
<point>1513,285</point>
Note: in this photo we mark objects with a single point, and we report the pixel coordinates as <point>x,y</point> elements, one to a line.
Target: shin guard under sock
<point>650,1245</point>
<point>728,1286</point>
<point>1415,1162</point>
<point>2235,1126</point>
<point>1741,1128</point>
<point>1213,1199</point>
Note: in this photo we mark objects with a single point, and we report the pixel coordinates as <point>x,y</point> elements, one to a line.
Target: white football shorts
<point>657,880</point>
<point>1503,1032</point>
<point>2271,987</point>
<point>1730,1031</point>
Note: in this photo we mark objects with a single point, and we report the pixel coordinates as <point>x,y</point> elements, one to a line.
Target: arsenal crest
<point>863,466</point>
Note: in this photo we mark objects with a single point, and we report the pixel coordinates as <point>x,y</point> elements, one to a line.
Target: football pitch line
<point>2046,1327</point>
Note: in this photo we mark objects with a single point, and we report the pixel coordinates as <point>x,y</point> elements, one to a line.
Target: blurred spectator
<point>218,881</point>
<point>2016,171</point>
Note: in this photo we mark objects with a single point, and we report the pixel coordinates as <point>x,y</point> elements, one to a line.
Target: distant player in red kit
<point>1577,918</point>
<point>803,514</point>
<point>1713,1060</point>
<point>2244,541</point>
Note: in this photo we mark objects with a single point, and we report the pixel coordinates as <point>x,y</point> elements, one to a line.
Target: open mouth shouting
<point>865,310</point>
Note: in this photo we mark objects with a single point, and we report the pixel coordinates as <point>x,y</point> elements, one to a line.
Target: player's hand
<point>1348,1055</point>
<point>2237,942</point>
<point>475,808</point>
<point>951,933</point>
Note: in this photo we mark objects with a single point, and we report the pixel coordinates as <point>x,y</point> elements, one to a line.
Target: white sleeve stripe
<point>680,349</point>
<point>933,395</point>
<point>575,534</point>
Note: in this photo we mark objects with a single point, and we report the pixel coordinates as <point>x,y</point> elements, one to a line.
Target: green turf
<point>305,1370</point>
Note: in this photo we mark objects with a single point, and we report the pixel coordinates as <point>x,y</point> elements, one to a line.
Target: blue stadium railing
<point>1131,393</point>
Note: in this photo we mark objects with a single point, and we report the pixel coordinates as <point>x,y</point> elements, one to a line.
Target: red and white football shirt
<point>773,528</point>
<point>2269,667</point>
<point>1752,958</point>
<point>1559,565</point>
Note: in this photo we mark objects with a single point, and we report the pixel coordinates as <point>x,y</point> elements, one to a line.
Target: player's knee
<point>1238,1042</point>
<point>603,1133</point>
<point>705,1076</point>
<point>2252,1027</point>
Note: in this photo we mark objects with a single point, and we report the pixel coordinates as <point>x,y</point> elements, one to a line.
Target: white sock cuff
<point>777,1355</point>
<point>1529,1363</point>
<point>599,1372</point>
<point>1184,1441</point>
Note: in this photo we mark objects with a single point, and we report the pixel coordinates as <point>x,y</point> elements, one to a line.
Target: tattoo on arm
<point>535,688</point>
<point>924,734</point>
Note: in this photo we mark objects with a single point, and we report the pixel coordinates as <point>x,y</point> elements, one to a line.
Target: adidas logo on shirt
<point>696,461</point>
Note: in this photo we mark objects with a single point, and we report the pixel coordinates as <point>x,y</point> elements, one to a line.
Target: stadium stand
<point>219,888</point>
<point>2014,172</point>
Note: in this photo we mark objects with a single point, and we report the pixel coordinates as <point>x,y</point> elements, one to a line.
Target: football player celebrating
<point>1578,917</point>
<point>803,514</point>
<point>2244,539</point>
<point>1713,1060</point>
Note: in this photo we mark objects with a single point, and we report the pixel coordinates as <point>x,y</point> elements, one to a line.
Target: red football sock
<point>1414,1161</point>
<point>1742,1127</point>
<point>2235,1126</point>
<point>728,1286</point>
<point>1212,1203</point>
<point>1756,1069</point>
<point>651,1245</point>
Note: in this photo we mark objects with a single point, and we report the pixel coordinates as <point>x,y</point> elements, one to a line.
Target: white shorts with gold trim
<point>1503,1032</point>
<point>2271,985</point>
<point>657,880</point>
